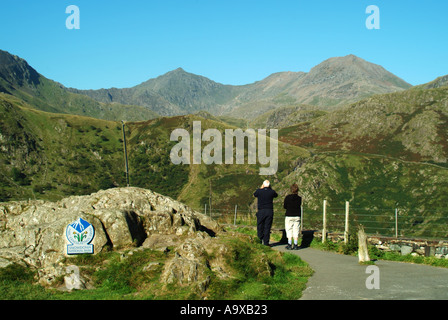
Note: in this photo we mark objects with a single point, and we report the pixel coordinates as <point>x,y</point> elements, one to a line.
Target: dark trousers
<point>264,224</point>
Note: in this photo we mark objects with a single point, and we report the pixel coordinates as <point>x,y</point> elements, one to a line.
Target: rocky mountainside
<point>437,83</point>
<point>174,93</point>
<point>409,125</point>
<point>331,84</point>
<point>15,71</point>
<point>344,80</point>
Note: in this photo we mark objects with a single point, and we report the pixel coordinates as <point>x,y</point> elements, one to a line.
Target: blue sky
<point>123,43</point>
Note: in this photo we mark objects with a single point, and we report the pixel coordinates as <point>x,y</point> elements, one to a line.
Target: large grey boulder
<point>33,232</point>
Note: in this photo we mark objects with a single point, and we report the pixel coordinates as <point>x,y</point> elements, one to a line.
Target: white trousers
<point>292,226</point>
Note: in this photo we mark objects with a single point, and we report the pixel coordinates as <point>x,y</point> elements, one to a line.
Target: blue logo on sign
<point>80,233</point>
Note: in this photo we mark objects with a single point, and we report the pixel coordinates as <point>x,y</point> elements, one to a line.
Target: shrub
<point>352,245</point>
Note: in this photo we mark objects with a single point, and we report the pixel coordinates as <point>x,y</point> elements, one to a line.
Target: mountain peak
<point>179,70</point>
<point>353,57</point>
<point>437,83</point>
<point>16,70</point>
<point>351,69</point>
<point>176,73</point>
<point>345,61</point>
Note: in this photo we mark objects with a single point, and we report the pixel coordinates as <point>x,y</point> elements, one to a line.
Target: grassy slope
<point>49,156</point>
<point>230,184</point>
<point>52,155</point>
<point>50,96</point>
<point>409,125</point>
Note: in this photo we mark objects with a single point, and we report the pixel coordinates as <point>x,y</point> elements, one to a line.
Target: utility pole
<point>210,199</point>
<point>125,154</point>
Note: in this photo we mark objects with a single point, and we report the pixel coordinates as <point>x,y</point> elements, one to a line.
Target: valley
<point>383,148</point>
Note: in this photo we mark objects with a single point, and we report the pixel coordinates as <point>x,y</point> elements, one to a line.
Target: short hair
<point>266,183</point>
<point>294,188</point>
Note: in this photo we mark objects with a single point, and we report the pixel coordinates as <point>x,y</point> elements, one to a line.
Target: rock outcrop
<point>33,232</point>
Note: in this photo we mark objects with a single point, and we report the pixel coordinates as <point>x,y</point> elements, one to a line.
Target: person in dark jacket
<point>293,215</point>
<point>265,213</point>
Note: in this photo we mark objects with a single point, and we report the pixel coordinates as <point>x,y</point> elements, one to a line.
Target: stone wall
<point>416,247</point>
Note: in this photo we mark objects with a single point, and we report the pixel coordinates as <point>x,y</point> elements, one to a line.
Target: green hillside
<point>48,156</point>
<point>409,125</point>
<point>374,186</point>
<point>192,184</point>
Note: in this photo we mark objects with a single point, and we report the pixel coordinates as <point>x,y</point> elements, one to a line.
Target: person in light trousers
<point>293,215</point>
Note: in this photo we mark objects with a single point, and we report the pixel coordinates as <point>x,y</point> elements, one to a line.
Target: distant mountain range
<point>332,84</point>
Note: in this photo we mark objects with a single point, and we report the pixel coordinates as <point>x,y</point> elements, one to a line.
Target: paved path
<point>340,277</point>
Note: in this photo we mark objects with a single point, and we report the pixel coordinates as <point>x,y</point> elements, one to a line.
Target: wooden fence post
<point>324,228</point>
<point>347,206</point>
<point>396,223</point>
<point>234,220</point>
<point>363,252</point>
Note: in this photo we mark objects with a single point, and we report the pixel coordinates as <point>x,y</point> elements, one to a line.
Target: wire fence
<point>387,222</point>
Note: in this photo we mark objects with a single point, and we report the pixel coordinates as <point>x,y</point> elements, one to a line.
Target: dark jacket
<point>265,198</point>
<point>292,205</point>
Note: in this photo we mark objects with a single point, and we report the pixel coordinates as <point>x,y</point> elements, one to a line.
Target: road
<point>341,277</point>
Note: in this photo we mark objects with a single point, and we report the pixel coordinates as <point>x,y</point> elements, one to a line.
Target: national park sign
<point>80,233</point>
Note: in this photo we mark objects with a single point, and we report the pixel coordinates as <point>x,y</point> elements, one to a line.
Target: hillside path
<point>340,277</point>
